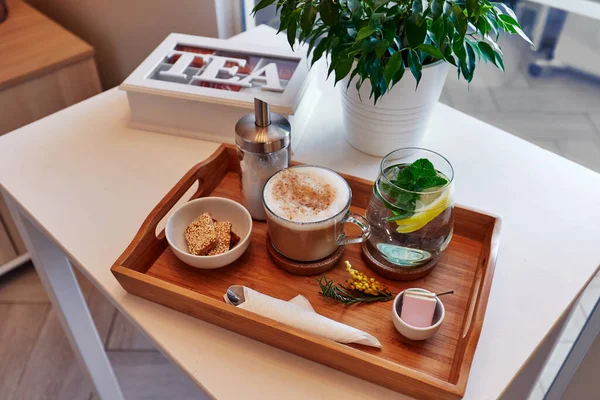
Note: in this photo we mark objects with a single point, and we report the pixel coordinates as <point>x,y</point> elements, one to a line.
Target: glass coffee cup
<point>307,207</point>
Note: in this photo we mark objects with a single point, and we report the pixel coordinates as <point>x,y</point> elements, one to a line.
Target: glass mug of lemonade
<point>411,209</point>
<point>307,207</point>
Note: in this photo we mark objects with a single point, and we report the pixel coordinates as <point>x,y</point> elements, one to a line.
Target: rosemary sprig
<point>338,293</point>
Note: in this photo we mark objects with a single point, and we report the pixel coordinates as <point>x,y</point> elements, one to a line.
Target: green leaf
<point>475,47</point>
<point>415,34</point>
<point>504,9</point>
<point>471,6</point>
<point>507,19</point>
<point>457,44</point>
<point>404,179</point>
<point>377,20</point>
<point>487,52</point>
<point>461,54</point>
<point>381,47</point>
<point>336,55</point>
<point>448,56</point>
<point>343,67</point>
<point>329,12</point>
<point>357,14</point>
<point>398,75</point>
<point>484,8</point>
<point>318,52</point>
<point>365,32</point>
<point>430,182</point>
<point>422,168</point>
<point>389,31</point>
<point>499,61</point>
<point>437,8</point>
<point>392,66</point>
<point>471,58</point>
<point>352,75</point>
<point>283,23</point>
<point>291,31</point>
<point>494,24</point>
<point>368,45</point>
<point>309,15</point>
<point>438,31</point>
<point>261,5</point>
<point>515,27</point>
<point>460,20</point>
<point>315,35</point>
<point>393,11</point>
<point>431,50</point>
<point>414,63</point>
<point>484,26</point>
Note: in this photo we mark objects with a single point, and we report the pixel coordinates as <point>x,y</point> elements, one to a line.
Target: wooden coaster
<point>378,264</point>
<point>304,268</point>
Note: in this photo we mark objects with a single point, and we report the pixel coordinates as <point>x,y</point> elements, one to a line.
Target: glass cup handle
<point>359,221</point>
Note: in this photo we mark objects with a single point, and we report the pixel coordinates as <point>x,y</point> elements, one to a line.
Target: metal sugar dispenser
<point>263,148</point>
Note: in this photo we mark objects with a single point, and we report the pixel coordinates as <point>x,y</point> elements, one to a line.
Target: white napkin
<point>300,314</point>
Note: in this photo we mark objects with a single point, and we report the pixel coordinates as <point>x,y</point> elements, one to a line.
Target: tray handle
<point>208,174</point>
<point>483,278</point>
<point>482,282</point>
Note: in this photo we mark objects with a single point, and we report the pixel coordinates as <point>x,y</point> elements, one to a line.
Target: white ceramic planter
<point>401,116</point>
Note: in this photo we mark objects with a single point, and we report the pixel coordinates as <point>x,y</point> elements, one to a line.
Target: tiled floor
<point>36,360</point>
<point>559,112</point>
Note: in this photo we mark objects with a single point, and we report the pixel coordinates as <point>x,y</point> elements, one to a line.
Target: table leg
<point>69,304</point>
<point>540,25</point>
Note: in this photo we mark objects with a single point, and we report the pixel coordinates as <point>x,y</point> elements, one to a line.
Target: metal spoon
<point>235,295</point>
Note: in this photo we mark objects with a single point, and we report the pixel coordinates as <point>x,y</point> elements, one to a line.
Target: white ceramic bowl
<point>221,209</point>
<point>413,332</point>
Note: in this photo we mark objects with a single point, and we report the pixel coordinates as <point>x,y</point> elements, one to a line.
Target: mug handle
<point>359,221</point>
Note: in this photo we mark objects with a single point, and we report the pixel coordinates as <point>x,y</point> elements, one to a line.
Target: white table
<point>80,183</point>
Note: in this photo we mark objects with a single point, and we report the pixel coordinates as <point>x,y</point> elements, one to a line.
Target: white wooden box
<point>200,87</point>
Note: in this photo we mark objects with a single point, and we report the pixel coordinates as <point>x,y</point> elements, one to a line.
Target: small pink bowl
<point>413,332</point>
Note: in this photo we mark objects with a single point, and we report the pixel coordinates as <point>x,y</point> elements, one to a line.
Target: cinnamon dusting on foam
<point>305,195</point>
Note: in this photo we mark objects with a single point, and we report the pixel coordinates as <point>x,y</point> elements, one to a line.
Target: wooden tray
<point>437,368</point>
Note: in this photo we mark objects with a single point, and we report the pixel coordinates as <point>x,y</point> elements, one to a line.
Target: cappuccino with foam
<point>306,210</point>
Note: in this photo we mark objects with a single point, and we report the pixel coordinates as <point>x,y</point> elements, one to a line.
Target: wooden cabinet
<point>43,69</point>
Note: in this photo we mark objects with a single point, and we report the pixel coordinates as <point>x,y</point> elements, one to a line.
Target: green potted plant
<point>393,56</point>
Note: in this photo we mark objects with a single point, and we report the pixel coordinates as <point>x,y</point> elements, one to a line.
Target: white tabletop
<point>90,181</point>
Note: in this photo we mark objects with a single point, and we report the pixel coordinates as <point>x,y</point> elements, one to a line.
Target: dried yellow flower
<point>362,283</point>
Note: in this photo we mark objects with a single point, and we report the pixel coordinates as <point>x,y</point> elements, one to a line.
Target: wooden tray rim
<point>437,388</point>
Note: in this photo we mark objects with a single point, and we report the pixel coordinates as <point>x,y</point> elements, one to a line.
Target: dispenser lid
<point>262,132</point>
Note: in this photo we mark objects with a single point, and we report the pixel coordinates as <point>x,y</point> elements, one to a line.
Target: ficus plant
<point>377,40</point>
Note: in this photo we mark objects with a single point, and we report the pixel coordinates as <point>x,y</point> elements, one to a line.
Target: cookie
<point>223,232</point>
<point>201,235</point>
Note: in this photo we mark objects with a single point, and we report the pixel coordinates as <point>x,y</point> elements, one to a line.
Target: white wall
<point>124,32</point>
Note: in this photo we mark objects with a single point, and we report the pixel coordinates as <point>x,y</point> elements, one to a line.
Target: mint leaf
<point>430,182</point>
<point>404,179</point>
<point>399,215</point>
<point>422,168</point>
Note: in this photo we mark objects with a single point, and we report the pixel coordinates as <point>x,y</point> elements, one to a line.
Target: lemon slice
<point>427,209</point>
